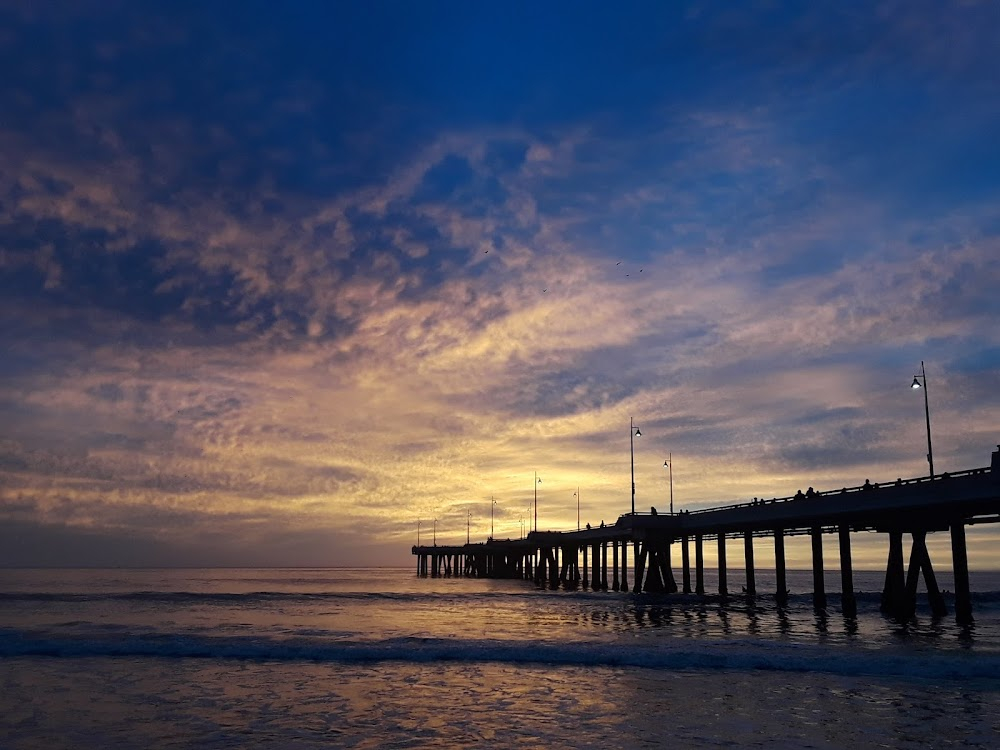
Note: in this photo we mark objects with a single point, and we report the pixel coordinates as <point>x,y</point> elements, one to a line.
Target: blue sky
<point>277,282</point>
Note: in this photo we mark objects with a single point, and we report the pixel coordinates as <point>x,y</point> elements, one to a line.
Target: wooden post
<point>604,566</point>
<point>699,565</point>
<point>595,563</point>
<point>654,581</point>
<point>640,567</point>
<point>585,571</point>
<point>666,569</point>
<point>779,566</point>
<point>685,565</point>
<point>894,592</point>
<point>625,565</point>
<point>723,587</point>
<point>614,565</point>
<point>748,555</point>
<point>819,585</point>
<point>960,561</point>
<point>848,602</point>
<point>920,561</point>
<point>938,607</point>
<point>913,573</point>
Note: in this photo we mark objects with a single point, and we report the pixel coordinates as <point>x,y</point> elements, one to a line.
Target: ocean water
<point>379,658</point>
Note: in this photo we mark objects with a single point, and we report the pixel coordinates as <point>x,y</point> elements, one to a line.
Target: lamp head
<point>637,433</point>
<point>666,463</point>
<point>916,382</point>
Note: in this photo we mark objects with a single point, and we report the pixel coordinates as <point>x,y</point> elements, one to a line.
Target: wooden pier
<point>913,507</point>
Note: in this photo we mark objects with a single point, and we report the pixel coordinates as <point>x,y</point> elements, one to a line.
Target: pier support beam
<point>624,566</point>
<point>654,568</point>
<point>819,585</point>
<point>849,604</point>
<point>894,591</point>
<point>960,561</point>
<point>699,565</point>
<point>666,569</point>
<point>586,582</point>
<point>604,566</point>
<point>640,566</point>
<point>920,561</point>
<point>723,584</point>
<point>685,565</point>
<point>614,564</point>
<point>779,567</point>
<point>748,556</point>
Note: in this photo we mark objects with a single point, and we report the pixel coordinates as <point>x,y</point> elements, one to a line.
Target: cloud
<point>230,321</point>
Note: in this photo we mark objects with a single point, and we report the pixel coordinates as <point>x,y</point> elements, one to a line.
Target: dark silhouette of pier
<point>915,507</point>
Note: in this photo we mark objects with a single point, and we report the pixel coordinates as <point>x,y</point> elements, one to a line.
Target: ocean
<point>380,658</point>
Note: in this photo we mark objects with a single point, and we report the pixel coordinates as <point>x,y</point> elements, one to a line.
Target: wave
<point>740,655</point>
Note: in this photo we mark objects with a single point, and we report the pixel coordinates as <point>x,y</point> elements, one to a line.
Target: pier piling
<point>685,565</point>
<point>699,565</point>
<point>960,562</point>
<point>723,585</point>
<point>748,557</point>
<point>779,567</point>
<point>819,587</point>
<point>849,604</point>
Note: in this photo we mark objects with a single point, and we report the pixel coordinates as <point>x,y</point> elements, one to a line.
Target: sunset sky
<point>278,280</point>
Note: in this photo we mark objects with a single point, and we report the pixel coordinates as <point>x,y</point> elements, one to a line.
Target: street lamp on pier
<point>468,527</point>
<point>577,496</point>
<point>918,382</point>
<point>435,529</point>
<point>669,463</point>
<point>633,432</point>
<point>418,533</point>
<point>493,504</point>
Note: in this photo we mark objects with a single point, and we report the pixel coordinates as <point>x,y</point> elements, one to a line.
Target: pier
<point>903,510</point>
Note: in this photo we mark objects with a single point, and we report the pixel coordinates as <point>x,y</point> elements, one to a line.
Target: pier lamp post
<point>520,520</point>
<point>633,432</point>
<point>435,530</point>
<point>537,482</point>
<point>918,382</point>
<point>577,496</point>
<point>493,504</point>
<point>418,533</point>
<point>468,527</point>
<point>669,463</point>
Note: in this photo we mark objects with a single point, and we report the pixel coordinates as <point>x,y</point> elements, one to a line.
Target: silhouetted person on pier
<point>588,527</point>
<point>652,510</point>
<point>602,523</point>
<point>810,492</point>
<point>799,495</point>
<point>867,486</point>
